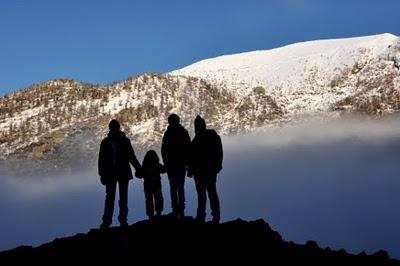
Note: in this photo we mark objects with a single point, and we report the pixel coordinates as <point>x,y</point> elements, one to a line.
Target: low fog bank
<point>37,210</point>
<point>320,132</point>
<point>336,183</point>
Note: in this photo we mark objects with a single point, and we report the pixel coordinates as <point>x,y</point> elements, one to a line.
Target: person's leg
<point>201,198</point>
<point>213,196</point>
<point>173,192</point>
<point>109,204</point>
<point>148,193</point>
<point>159,201</point>
<point>123,202</point>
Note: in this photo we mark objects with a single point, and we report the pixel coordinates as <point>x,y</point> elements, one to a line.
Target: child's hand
<point>139,173</point>
<point>103,180</point>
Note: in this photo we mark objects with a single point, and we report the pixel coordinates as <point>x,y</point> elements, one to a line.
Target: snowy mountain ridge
<point>307,67</point>
<point>268,67</point>
<point>61,120</point>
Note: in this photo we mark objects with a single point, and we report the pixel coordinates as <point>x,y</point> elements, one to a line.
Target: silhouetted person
<point>115,154</point>
<point>204,164</point>
<point>175,152</point>
<point>151,173</point>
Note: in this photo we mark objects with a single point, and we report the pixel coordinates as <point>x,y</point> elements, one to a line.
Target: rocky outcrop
<point>167,241</point>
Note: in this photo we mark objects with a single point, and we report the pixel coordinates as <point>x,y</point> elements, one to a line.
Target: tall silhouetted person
<point>116,153</point>
<point>204,164</point>
<point>175,152</point>
<point>151,173</point>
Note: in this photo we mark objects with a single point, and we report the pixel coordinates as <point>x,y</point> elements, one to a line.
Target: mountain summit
<point>167,241</point>
<point>57,125</point>
<point>311,76</point>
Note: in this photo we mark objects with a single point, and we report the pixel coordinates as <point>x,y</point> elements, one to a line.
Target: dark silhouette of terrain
<point>170,241</point>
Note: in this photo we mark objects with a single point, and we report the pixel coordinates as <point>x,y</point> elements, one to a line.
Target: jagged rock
<point>167,241</point>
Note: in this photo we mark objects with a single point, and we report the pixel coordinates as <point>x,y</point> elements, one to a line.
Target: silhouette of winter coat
<point>175,147</point>
<point>151,169</point>
<point>151,173</point>
<point>206,153</point>
<point>115,154</point>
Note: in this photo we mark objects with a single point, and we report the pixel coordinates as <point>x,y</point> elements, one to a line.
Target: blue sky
<point>104,41</point>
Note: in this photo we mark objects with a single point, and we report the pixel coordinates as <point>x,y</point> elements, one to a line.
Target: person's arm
<point>101,160</point>
<point>190,160</point>
<point>102,164</point>
<point>164,149</point>
<point>139,173</point>
<point>132,157</point>
<point>220,153</point>
<point>162,168</point>
<point>187,143</point>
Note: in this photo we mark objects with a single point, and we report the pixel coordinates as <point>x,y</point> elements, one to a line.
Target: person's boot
<point>201,218</point>
<point>215,219</point>
<point>124,224</point>
<point>104,226</point>
<point>181,214</point>
<point>173,214</point>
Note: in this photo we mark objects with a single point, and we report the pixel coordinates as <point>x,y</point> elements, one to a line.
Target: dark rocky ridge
<point>172,242</point>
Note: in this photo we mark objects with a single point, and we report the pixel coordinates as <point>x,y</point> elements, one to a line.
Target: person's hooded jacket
<point>206,152</point>
<point>115,154</point>
<point>175,145</point>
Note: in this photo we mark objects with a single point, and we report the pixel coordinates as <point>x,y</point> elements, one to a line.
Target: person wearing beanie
<point>116,153</point>
<point>175,152</point>
<point>205,162</point>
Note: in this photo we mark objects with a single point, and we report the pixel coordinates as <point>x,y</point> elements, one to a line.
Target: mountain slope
<point>167,241</point>
<point>57,125</point>
<point>311,76</point>
<point>61,122</point>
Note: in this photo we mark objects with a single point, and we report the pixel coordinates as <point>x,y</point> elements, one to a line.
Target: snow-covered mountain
<point>59,123</point>
<point>311,76</point>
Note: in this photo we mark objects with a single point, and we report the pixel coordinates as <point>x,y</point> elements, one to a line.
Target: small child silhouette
<point>151,173</point>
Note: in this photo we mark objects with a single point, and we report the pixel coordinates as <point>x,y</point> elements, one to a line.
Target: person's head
<point>151,158</point>
<point>114,125</point>
<point>199,124</point>
<point>173,119</point>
